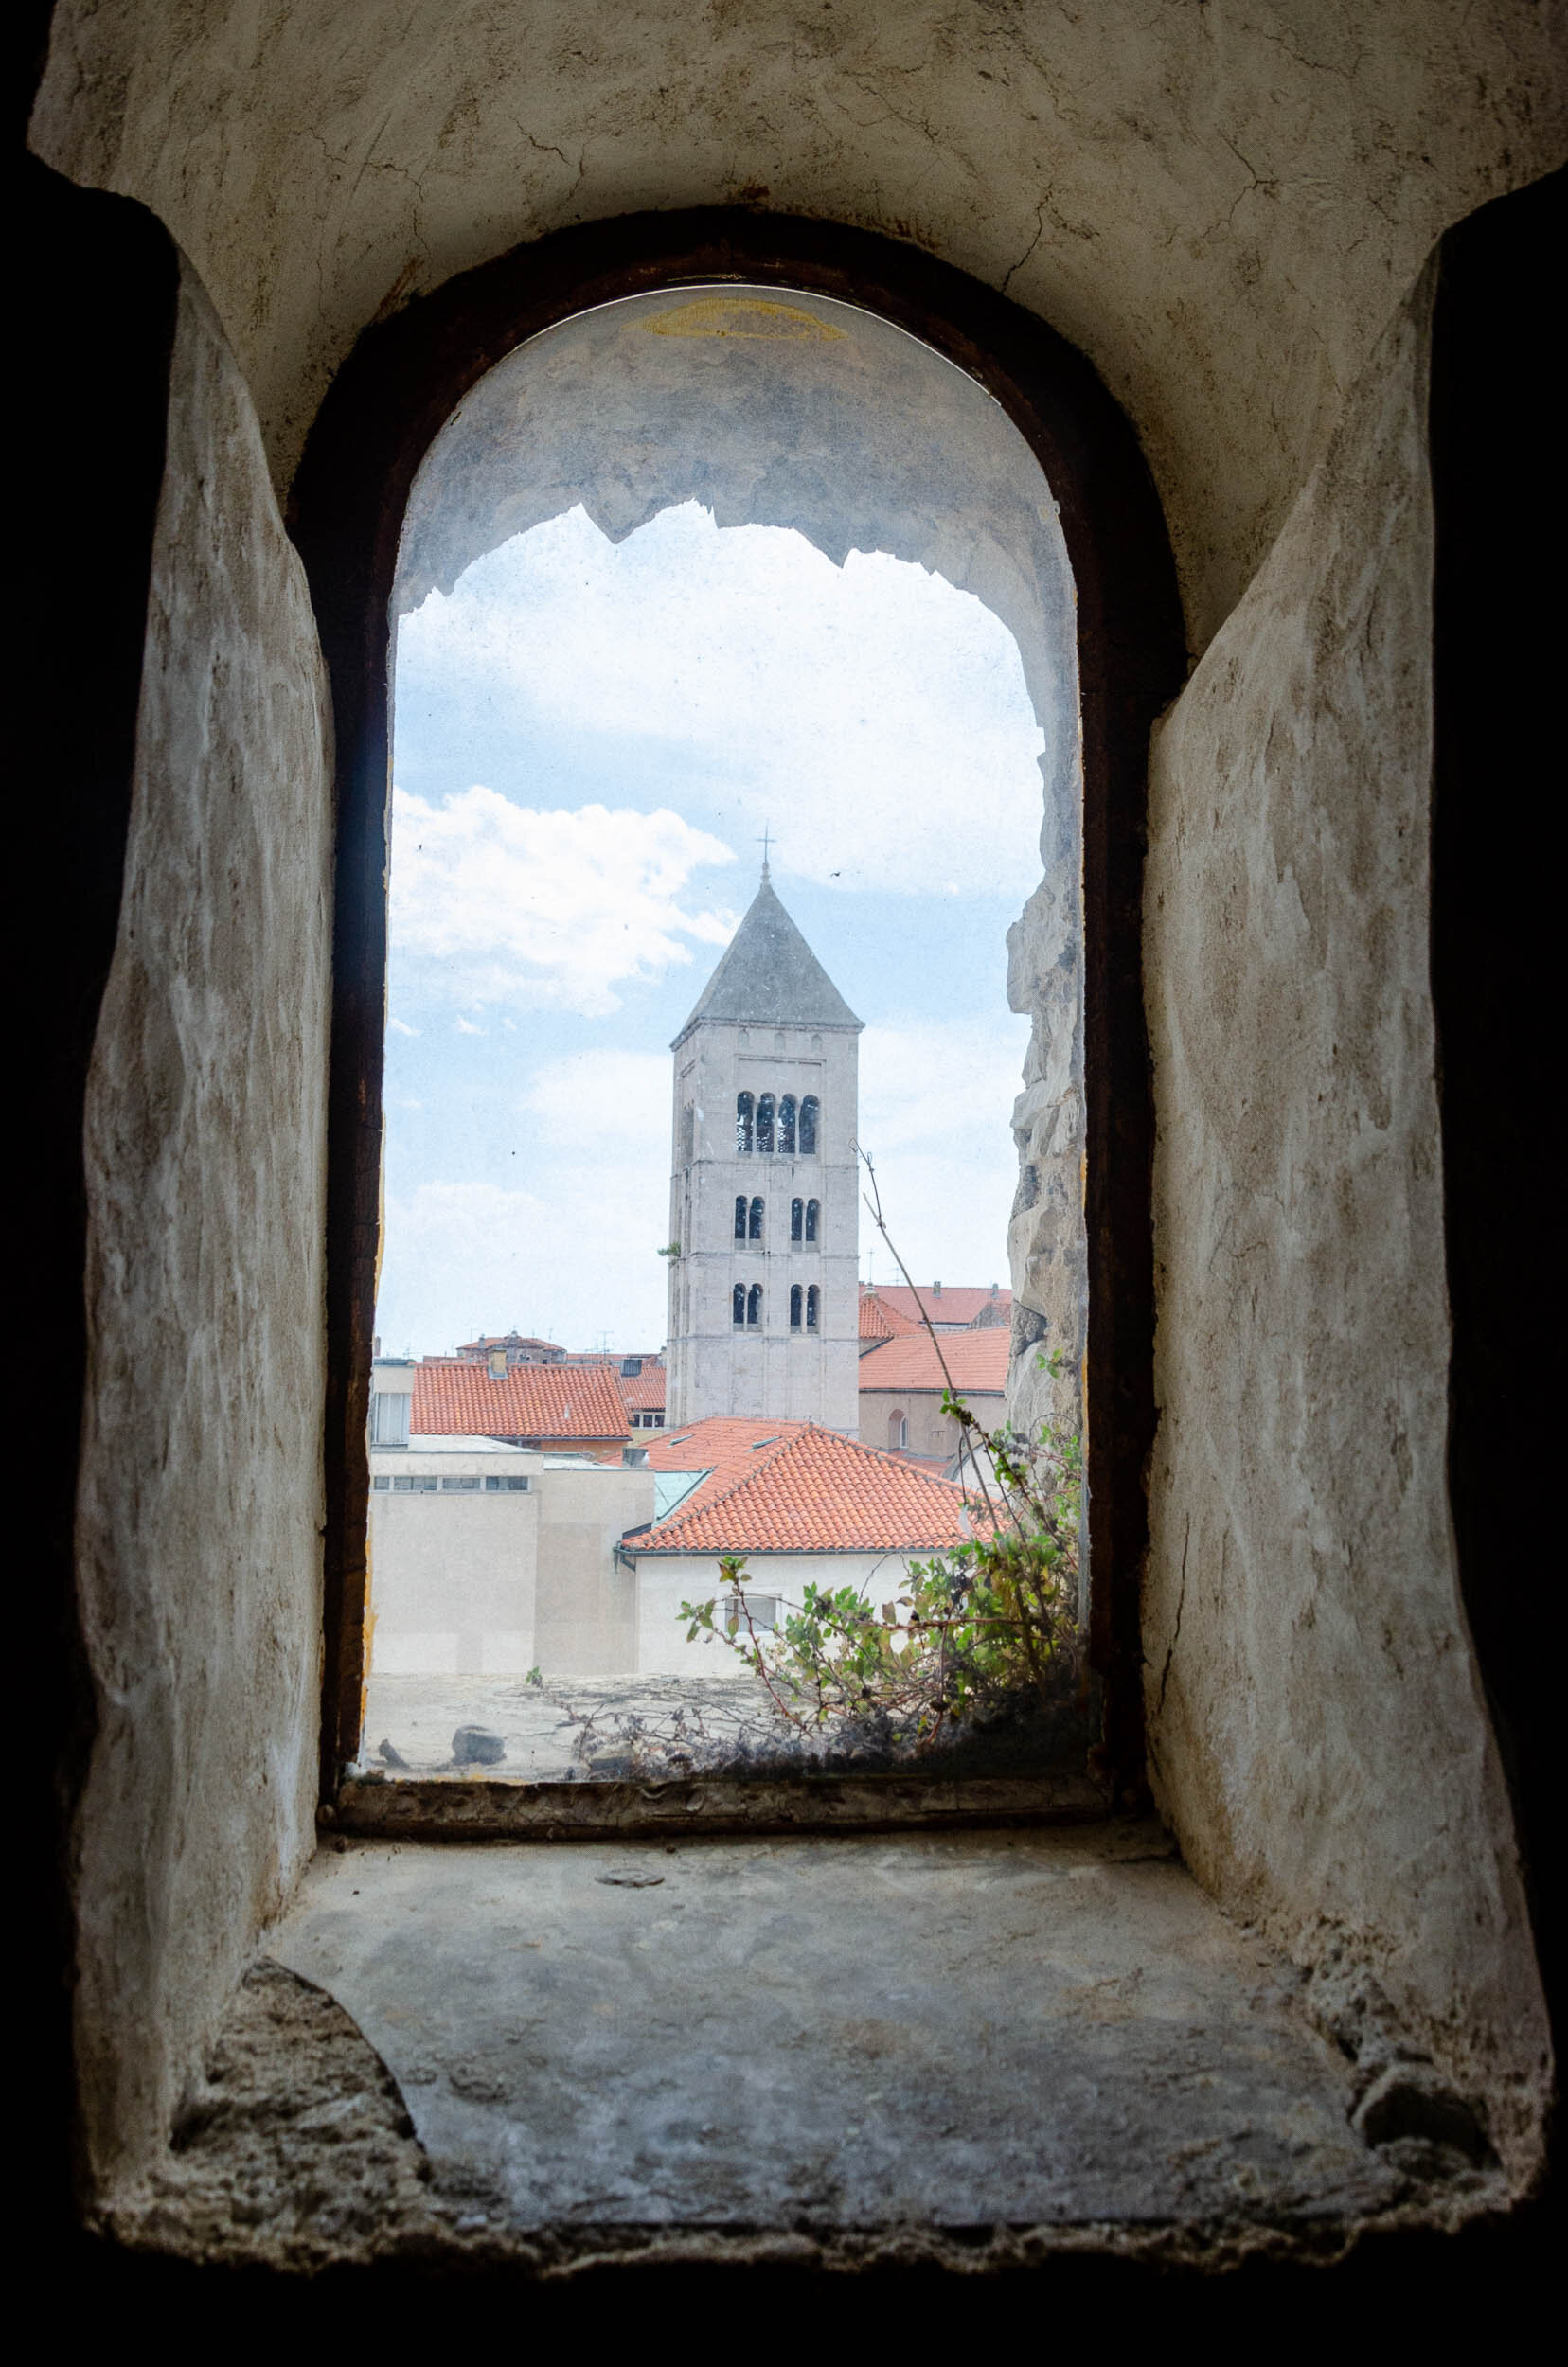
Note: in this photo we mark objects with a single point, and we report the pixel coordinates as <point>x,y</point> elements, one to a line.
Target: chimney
<point>497,1362</point>
<point>935,1289</point>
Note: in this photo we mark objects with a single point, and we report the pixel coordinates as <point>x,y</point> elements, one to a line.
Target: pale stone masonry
<point>764,1190</point>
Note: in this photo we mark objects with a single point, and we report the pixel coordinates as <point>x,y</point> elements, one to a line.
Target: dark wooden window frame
<point>395,392</point>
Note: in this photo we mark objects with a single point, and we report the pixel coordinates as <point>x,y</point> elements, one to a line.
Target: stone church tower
<point>764,1304</point>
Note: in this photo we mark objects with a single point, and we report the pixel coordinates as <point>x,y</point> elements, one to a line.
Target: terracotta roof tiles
<point>534,1401</point>
<point>802,1490</point>
<point>976,1359</point>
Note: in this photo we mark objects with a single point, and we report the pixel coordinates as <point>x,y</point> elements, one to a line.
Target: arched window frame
<point>754,1305</point>
<point>814,1307</point>
<point>737,1305</point>
<point>810,1126</point>
<point>755,1217</point>
<point>746,1109</point>
<point>797,1220</point>
<point>391,394</point>
<point>798,1305</point>
<point>814,1219</point>
<point>787,1127</point>
<point>898,1430</point>
<point>739,1216</point>
<point>765,1125</point>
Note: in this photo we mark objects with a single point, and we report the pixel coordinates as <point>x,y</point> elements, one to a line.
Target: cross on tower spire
<point>765,842</point>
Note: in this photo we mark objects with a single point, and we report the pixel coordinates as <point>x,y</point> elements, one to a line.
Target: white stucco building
<point>764,1193</point>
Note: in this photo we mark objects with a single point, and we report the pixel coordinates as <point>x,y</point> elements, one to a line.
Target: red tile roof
<point>726,1446</point>
<point>534,1401</point>
<point>489,1339</point>
<point>878,1321</point>
<point>959,1303</point>
<point>806,1490</point>
<point>644,1392</point>
<point>976,1359</point>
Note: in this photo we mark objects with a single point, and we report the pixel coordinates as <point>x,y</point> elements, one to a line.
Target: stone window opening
<point>753,1226</point>
<point>737,1306</point>
<point>813,1306</point>
<point>754,1305</point>
<point>745,1107</point>
<point>813,1215</point>
<point>787,1126</point>
<point>1116,1503</point>
<point>898,1430</point>
<point>797,1297</point>
<point>765,1123</point>
<point>740,1216</point>
<point>811,1113</point>
<point>797,1220</point>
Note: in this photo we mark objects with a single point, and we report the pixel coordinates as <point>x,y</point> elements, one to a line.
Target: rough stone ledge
<point>297,2155</point>
<point>432,1808</point>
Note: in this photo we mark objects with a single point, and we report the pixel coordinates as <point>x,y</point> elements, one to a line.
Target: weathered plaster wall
<point>1220,203</point>
<point>1317,1731</point>
<point>199,1494</point>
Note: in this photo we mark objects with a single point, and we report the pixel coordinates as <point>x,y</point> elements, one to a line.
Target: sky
<point>589,739</point>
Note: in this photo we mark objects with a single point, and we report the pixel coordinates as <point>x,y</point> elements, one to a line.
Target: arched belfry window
<point>898,1430</point>
<point>740,1216</point>
<point>738,1304</point>
<point>765,1123</point>
<point>814,1218</point>
<point>797,1220</point>
<point>744,1107</point>
<point>797,1303</point>
<point>810,1111</point>
<point>814,1307</point>
<point>787,1126</point>
<point>755,1228</point>
<point>753,1304</point>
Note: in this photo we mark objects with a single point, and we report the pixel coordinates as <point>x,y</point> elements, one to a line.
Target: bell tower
<point>765,1202</point>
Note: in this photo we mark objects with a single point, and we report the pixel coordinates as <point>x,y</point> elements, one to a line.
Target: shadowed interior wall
<point>1318,1732</point>
<point>199,1495</point>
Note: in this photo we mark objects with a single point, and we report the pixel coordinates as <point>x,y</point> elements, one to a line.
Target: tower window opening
<point>814,1218</point>
<point>797,1220</point>
<point>744,1122</point>
<point>765,1123</point>
<point>787,1126</point>
<point>753,1304</point>
<point>740,1216</point>
<point>811,1111</point>
<point>898,1430</point>
<point>755,1229</point>
<point>738,1304</point>
<point>798,1302</point>
<point>814,1307</point>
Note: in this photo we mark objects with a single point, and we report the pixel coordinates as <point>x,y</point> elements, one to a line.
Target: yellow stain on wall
<point>742,316</point>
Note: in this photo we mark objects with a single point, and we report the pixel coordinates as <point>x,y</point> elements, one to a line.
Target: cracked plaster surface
<point>1222,206</point>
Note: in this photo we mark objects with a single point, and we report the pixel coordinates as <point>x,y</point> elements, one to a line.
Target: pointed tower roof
<point>769,977</point>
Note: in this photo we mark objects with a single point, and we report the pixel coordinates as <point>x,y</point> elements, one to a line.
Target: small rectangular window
<point>381,1482</point>
<point>460,1487</point>
<point>505,1485</point>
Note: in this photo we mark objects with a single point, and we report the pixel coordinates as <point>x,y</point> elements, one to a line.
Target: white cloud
<point>504,903</point>
<point>402,1027</point>
<point>602,1098</point>
<point>874,715</point>
<point>466,1027</point>
<point>572,1261</point>
<point>935,1100</point>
